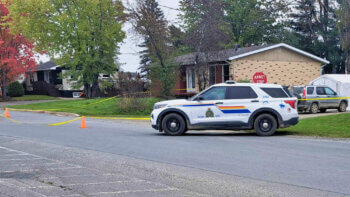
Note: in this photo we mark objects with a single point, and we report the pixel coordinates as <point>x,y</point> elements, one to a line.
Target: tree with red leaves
<point>16,53</point>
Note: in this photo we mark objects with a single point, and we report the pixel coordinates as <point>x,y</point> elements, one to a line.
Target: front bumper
<point>156,127</point>
<point>290,122</point>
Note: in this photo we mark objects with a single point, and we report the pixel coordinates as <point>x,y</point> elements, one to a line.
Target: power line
<point>171,8</point>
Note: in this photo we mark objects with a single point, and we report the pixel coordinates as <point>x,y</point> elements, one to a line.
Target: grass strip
<point>334,126</point>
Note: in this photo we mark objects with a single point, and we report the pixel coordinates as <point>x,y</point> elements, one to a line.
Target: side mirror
<point>200,98</point>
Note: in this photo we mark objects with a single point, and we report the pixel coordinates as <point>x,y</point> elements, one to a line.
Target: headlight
<point>158,106</point>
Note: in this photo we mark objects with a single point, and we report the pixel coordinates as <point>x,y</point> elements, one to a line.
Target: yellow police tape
<point>102,101</point>
<point>317,99</point>
<point>116,118</point>
<point>12,120</point>
<point>66,122</point>
<point>101,118</point>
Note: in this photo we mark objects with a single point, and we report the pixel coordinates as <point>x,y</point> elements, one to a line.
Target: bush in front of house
<point>15,89</point>
<point>244,81</point>
<point>136,105</point>
<point>43,88</point>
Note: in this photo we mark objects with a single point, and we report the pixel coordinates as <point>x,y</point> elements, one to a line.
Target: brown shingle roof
<point>46,66</point>
<point>216,56</point>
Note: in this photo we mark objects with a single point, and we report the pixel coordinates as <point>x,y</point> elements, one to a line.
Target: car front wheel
<point>265,125</point>
<point>342,106</point>
<point>173,124</point>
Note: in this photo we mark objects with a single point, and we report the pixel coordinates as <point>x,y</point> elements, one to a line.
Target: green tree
<point>344,29</point>
<point>82,35</point>
<point>204,26</point>
<point>253,22</point>
<point>314,26</point>
<point>148,21</point>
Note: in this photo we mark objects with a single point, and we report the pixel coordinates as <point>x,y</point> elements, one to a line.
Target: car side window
<point>215,93</point>
<point>275,92</point>
<point>241,92</point>
<point>310,90</point>
<point>329,91</point>
<point>320,91</point>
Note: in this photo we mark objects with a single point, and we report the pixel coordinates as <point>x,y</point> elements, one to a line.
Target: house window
<point>212,75</point>
<point>106,76</point>
<point>31,78</point>
<point>191,80</point>
<point>226,72</point>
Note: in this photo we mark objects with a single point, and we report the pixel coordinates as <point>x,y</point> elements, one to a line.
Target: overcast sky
<point>129,57</point>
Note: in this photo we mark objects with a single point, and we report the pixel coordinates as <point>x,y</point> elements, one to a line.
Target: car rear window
<point>275,92</point>
<point>285,88</point>
<point>241,92</point>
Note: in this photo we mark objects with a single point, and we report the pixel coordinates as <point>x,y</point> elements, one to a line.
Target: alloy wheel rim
<point>343,107</point>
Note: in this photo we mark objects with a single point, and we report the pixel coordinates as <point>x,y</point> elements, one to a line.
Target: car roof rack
<point>230,82</point>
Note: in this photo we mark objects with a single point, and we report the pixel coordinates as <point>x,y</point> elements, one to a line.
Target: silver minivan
<point>319,98</point>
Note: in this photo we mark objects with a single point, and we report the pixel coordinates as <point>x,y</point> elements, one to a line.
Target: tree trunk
<point>91,90</point>
<point>4,87</point>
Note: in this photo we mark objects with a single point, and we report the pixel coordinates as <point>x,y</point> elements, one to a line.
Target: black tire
<point>323,110</point>
<point>173,124</point>
<point>265,125</point>
<point>342,106</point>
<point>313,108</point>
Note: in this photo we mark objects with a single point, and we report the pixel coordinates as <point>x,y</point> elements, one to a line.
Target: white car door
<point>204,109</point>
<point>241,102</point>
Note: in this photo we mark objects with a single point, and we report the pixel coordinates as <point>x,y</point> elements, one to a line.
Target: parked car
<point>318,98</point>
<point>229,106</point>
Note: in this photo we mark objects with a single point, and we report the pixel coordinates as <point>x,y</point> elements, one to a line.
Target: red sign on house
<point>260,77</point>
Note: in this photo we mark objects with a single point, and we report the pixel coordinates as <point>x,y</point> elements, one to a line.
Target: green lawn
<point>335,126</point>
<point>142,107</point>
<point>32,98</point>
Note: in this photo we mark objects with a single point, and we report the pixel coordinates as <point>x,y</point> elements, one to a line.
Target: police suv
<point>229,106</point>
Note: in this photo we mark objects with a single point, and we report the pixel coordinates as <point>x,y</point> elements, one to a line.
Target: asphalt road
<point>199,163</point>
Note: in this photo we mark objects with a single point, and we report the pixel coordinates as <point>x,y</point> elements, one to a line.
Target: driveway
<point>199,163</point>
<point>329,112</point>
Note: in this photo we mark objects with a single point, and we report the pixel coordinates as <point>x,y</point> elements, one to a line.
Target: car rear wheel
<point>173,124</point>
<point>342,107</point>
<point>265,125</point>
<point>314,108</point>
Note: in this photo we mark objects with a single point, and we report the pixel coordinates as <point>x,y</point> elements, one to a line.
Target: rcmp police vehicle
<point>229,106</point>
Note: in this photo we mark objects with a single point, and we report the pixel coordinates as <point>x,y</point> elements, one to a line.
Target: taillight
<point>291,103</point>
<point>304,93</point>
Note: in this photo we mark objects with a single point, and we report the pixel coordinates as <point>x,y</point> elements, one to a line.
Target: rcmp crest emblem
<point>209,113</point>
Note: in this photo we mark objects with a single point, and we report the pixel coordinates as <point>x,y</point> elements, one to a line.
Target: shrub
<point>244,81</point>
<point>15,89</point>
<point>43,88</point>
<point>134,105</point>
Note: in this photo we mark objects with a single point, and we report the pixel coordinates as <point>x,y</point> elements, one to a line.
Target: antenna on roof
<point>236,47</point>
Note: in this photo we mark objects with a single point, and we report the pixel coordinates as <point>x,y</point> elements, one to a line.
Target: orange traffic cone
<point>83,123</point>
<point>7,114</point>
